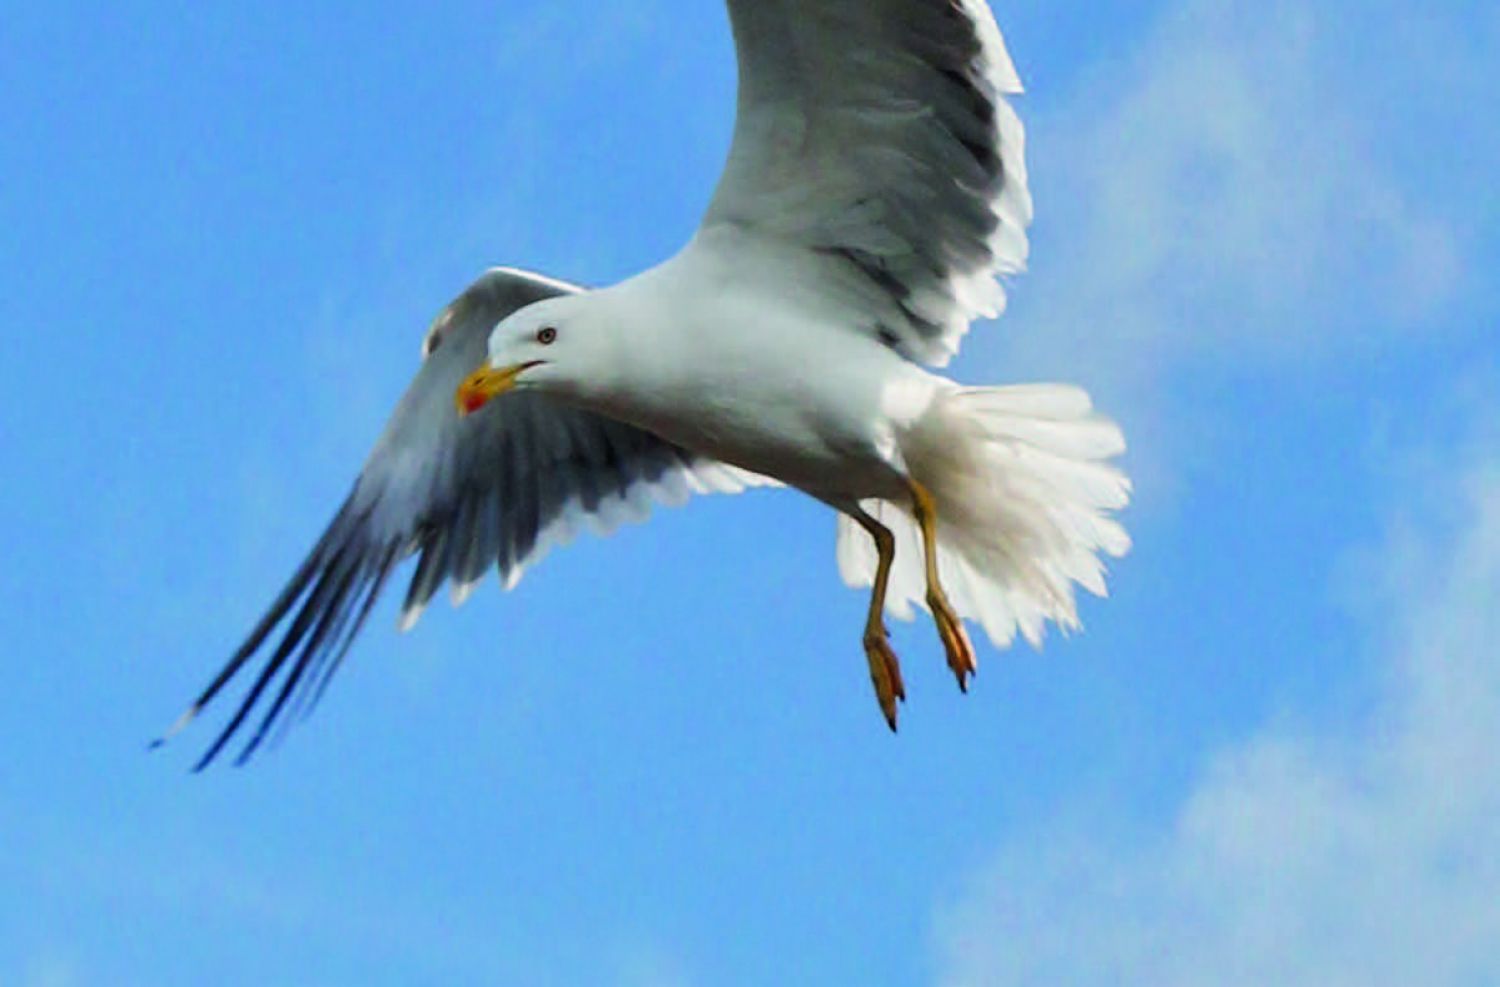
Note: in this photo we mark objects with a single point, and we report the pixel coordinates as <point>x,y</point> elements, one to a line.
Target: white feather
<point>1023,497</point>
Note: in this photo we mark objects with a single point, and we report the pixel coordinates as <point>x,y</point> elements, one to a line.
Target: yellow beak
<point>486,383</point>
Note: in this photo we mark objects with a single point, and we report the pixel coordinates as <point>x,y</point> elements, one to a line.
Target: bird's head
<point>546,346</point>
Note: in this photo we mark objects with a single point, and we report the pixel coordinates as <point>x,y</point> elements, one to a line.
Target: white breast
<point>762,378</point>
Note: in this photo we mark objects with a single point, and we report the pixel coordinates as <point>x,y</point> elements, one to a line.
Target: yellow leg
<point>950,626</point>
<point>885,670</point>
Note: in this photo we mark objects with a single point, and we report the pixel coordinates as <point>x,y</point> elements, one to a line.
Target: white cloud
<point>644,963</point>
<point>1242,188</point>
<point>1363,854</point>
<point>1229,197</point>
<point>50,970</point>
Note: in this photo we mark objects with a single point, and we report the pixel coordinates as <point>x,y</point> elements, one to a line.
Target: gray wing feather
<point>462,494</point>
<point>876,137</point>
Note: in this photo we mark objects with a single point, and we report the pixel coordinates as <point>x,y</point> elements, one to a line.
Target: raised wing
<point>876,135</point>
<point>493,489</point>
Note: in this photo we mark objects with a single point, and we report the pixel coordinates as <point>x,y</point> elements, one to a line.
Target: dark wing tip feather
<point>464,496</point>
<point>337,581</point>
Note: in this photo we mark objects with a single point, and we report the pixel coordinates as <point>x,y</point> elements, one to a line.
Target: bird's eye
<point>546,336</point>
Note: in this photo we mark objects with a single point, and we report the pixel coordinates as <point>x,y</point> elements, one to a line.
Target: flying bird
<point>874,196</point>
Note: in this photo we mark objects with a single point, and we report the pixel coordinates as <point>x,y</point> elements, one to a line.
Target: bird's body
<point>774,384</point>
<point>874,194</point>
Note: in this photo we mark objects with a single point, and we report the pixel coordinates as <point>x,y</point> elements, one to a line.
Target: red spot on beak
<point>473,400</point>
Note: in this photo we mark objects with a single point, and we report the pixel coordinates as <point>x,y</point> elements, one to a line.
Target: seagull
<point>874,197</point>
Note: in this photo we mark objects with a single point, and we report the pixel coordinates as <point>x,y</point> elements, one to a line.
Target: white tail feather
<point>1024,495</point>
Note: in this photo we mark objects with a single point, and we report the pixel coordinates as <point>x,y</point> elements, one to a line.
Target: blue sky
<point>1266,240</point>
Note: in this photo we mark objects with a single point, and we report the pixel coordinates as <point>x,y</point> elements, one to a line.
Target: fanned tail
<point>1024,495</point>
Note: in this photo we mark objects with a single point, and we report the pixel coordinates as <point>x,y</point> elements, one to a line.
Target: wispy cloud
<point>645,963</point>
<point>1302,855</point>
<point>1253,185</point>
<point>50,969</point>
<point>1258,187</point>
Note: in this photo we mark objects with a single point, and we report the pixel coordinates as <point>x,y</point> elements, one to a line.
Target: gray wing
<point>875,136</point>
<point>465,494</point>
